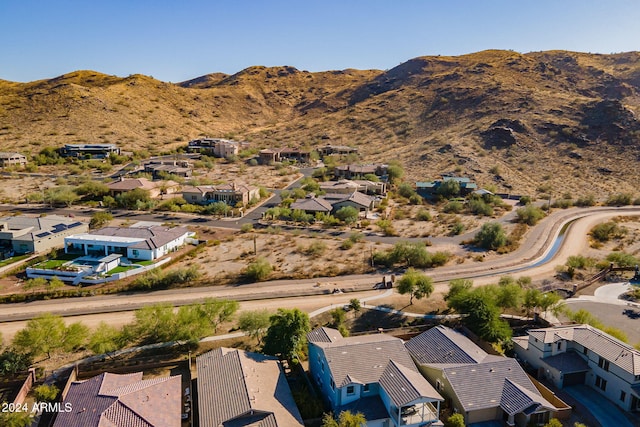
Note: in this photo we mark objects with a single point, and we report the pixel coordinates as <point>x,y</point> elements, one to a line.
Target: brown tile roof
<point>234,384</point>
<point>111,400</point>
<point>312,204</point>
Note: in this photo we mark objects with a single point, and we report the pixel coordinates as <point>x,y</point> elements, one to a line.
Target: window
<point>623,395</point>
<point>365,388</point>
<point>559,345</point>
<point>601,383</point>
<point>322,366</point>
<point>438,385</point>
<point>603,363</point>
<point>333,385</point>
<point>585,350</point>
<point>351,390</point>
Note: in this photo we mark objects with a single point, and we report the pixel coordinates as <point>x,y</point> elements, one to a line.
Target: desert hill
<point>553,121</point>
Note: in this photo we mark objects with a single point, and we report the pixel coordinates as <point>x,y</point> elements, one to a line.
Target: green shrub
<point>453,207</point>
<point>607,231</point>
<point>423,215</point>
<point>529,214</point>
<point>621,199</point>
<point>258,270</point>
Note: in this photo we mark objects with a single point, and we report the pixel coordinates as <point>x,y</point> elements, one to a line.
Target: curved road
<point>535,245</point>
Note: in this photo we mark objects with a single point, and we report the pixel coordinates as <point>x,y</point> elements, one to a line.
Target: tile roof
<point>234,384</point>
<point>111,400</point>
<point>567,362</point>
<point>363,359</point>
<point>324,334</point>
<point>516,399</point>
<point>606,346</point>
<point>132,184</point>
<point>480,385</point>
<point>444,345</point>
<point>314,204</point>
<point>404,385</point>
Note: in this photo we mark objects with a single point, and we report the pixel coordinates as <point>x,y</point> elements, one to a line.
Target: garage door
<point>573,379</point>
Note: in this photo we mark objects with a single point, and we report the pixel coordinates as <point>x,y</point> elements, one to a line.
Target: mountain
<point>551,121</point>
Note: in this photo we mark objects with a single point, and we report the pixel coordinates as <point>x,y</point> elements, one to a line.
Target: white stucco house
<point>143,242</point>
<point>582,354</point>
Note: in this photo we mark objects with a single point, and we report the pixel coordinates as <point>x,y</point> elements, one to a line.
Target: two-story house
<point>480,386</point>
<point>374,375</point>
<point>582,354</point>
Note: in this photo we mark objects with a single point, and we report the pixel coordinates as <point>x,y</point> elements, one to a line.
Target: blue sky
<point>178,40</point>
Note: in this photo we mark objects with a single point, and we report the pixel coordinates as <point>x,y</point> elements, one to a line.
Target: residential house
<point>582,354</point>
<point>237,388</point>
<point>12,159</point>
<point>359,171</point>
<point>232,194</point>
<point>24,234</point>
<point>374,375</point>
<point>429,189</point>
<point>312,205</point>
<point>161,168</point>
<point>273,155</point>
<point>217,147</point>
<point>155,188</point>
<point>141,241</point>
<point>345,186</point>
<point>480,386</point>
<point>122,401</point>
<point>357,200</point>
<point>341,150</point>
<point>97,151</point>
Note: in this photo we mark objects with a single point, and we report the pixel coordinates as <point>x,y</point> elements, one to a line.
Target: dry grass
<point>428,113</point>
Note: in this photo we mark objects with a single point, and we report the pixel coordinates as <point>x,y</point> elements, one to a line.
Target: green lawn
<point>52,264</point>
<point>145,263</point>
<point>120,269</point>
<point>13,259</point>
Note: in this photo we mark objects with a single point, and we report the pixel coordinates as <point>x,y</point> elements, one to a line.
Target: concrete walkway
<point>607,414</point>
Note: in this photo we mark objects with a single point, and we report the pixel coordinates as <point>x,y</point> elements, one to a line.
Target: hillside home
<point>161,168</point>
<point>140,242</point>
<point>23,234</point>
<point>237,388</point>
<point>217,147</point>
<point>232,194</point>
<point>155,188</point>
<point>359,171</point>
<point>340,150</point>
<point>357,200</point>
<point>429,189</point>
<point>96,151</point>
<point>12,159</point>
<point>122,401</point>
<point>273,155</point>
<point>480,386</point>
<point>374,375</point>
<point>582,354</point>
<point>345,186</point>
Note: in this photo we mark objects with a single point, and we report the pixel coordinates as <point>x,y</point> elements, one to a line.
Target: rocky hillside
<point>549,121</point>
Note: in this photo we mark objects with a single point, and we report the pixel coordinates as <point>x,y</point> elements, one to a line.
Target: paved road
<point>607,414</point>
<point>532,250</point>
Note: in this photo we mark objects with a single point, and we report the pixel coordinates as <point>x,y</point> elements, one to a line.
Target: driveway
<point>607,414</point>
